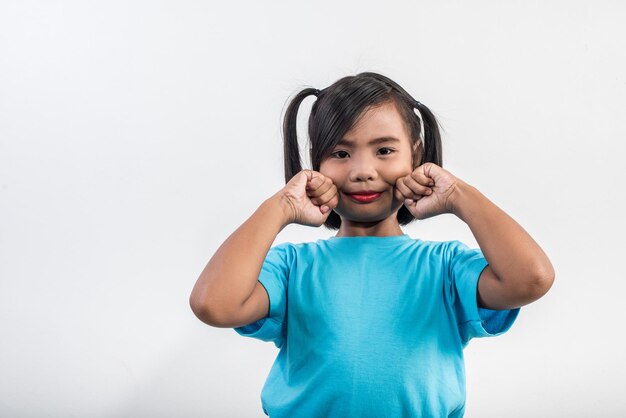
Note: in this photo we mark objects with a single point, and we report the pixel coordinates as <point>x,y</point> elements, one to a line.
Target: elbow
<point>200,309</point>
<point>201,303</point>
<point>197,308</point>
<point>207,313</point>
<point>543,281</point>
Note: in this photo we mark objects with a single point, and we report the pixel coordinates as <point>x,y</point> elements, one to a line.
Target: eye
<point>339,154</point>
<point>386,151</point>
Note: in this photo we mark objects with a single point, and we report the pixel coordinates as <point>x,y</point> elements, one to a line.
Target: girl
<point>370,322</point>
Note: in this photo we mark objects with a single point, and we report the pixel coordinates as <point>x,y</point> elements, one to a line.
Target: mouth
<point>365,197</point>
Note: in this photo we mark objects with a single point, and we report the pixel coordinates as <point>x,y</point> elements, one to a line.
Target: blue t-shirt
<point>371,326</point>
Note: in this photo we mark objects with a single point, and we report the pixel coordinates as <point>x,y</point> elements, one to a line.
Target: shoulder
<point>290,251</point>
<point>315,250</point>
<point>443,249</point>
<point>446,254</point>
<point>449,248</point>
<point>455,249</point>
<point>293,247</point>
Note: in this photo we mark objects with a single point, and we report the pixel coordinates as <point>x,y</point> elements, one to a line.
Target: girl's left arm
<point>519,272</point>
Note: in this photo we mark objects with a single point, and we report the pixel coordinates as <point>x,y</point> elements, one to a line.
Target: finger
<point>420,177</point>
<point>407,193</point>
<point>397,194</point>
<point>315,180</point>
<point>401,187</point>
<point>331,204</point>
<point>320,189</point>
<point>416,187</point>
<point>308,174</point>
<point>334,201</point>
<point>326,196</point>
<point>298,179</point>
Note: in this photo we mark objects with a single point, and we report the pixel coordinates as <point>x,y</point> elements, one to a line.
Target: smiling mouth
<point>365,197</point>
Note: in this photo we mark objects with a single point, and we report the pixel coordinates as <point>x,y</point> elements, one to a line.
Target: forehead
<point>378,122</point>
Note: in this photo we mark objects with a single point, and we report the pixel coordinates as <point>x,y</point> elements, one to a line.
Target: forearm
<point>231,274</point>
<point>514,256</point>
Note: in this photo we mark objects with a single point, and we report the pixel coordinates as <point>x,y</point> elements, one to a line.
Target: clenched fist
<point>427,190</point>
<point>310,196</point>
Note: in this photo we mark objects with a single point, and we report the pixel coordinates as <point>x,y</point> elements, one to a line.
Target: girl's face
<point>365,166</point>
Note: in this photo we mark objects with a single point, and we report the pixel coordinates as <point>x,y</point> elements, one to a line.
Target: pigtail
<point>432,137</point>
<point>293,163</point>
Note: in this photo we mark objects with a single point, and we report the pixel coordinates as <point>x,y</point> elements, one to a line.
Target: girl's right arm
<point>227,293</point>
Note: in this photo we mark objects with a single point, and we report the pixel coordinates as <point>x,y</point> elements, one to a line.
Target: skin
<point>361,165</point>
<point>228,294</point>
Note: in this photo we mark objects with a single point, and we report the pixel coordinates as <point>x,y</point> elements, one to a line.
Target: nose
<point>362,169</point>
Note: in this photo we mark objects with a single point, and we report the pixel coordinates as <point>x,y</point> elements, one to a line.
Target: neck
<point>385,228</point>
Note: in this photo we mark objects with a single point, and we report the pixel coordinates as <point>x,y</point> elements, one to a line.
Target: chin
<point>364,217</point>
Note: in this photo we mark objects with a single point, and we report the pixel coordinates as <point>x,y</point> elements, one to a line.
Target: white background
<point>136,136</point>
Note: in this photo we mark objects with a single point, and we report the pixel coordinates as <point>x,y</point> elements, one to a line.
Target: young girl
<point>370,322</point>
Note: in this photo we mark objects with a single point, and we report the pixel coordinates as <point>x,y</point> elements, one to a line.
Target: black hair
<point>338,108</point>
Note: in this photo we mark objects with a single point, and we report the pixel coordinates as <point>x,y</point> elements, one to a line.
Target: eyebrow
<point>347,142</point>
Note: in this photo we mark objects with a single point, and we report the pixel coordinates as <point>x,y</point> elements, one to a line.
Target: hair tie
<point>417,103</point>
<point>317,92</point>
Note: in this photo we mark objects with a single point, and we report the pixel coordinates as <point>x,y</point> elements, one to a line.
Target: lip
<point>366,196</point>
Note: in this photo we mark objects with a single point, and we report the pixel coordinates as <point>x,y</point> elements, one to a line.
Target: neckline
<point>390,238</point>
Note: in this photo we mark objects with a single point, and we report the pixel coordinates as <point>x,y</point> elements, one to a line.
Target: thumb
<point>300,180</point>
<point>431,170</point>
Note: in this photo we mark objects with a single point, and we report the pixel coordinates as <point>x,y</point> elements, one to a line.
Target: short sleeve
<point>274,277</point>
<point>464,268</point>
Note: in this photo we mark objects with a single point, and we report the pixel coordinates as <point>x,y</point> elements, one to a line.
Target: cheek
<point>331,172</point>
<point>397,171</point>
<point>404,171</point>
